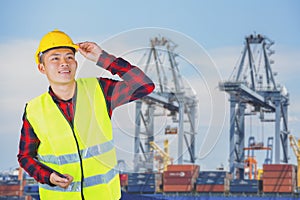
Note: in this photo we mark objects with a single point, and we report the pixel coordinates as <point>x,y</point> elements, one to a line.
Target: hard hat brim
<point>40,53</point>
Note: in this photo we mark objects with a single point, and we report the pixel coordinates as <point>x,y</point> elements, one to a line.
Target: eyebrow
<point>58,54</point>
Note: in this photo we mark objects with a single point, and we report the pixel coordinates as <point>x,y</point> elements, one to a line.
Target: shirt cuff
<point>105,59</point>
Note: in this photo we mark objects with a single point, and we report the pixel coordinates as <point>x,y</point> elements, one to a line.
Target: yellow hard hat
<point>54,39</point>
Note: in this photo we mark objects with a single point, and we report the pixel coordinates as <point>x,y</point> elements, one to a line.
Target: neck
<point>64,92</point>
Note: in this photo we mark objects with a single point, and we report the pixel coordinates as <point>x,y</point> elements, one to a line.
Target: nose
<point>64,62</point>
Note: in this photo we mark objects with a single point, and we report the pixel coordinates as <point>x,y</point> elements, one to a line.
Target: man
<point>66,140</point>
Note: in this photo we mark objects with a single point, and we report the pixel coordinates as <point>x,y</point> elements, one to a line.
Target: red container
<point>183,168</point>
<point>279,174</point>
<point>178,188</point>
<point>210,188</point>
<point>278,188</point>
<point>10,187</point>
<point>279,167</point>
<point>179,181</point>
<point>279,181</point>
<point>10,193</point>
<point>179,174</point>
<point>10,190</point>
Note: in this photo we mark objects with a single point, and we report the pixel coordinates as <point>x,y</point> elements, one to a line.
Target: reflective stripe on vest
<point>88,182</point>
<point>85,153</point>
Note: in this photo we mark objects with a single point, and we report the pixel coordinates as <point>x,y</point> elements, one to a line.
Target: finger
<point>70,179</point>
<point>85,45</point>
<point>59,179</point>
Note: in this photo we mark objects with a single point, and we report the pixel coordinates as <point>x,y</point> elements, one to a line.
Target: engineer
<point>66,141</point>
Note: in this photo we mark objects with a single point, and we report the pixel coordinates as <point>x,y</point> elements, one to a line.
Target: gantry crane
<point>170,96</point>
<point>254,85</point>
<point>296,149</point>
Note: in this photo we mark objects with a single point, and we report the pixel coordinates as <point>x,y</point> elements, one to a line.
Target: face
<point>59,65</point>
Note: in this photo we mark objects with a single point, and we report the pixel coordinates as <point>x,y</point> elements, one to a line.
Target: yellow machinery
<point>260,174</point>
<point>296,149</point>
<point>164,158</point>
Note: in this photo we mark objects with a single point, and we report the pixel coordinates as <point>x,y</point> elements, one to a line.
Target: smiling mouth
<point>64,71</point>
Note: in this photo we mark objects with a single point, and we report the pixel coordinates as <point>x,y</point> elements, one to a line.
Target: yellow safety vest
<point>85,148</point>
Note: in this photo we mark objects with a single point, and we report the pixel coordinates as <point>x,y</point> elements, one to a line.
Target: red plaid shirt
<point>135,85</point>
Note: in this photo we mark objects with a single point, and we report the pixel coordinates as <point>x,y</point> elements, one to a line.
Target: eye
<point>70,57</point>
<point>54,58</point>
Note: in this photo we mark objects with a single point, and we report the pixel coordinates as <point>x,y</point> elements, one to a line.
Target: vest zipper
<point>77,145</point>
<point>80,161</point>
<point>76,141</point>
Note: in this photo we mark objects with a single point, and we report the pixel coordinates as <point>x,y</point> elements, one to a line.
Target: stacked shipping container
<point>143,182</point>
<point>212,181</point>
<point>245,186</point>
<point>279,178</point>
<point>12,188</point>
<point>180,178</point>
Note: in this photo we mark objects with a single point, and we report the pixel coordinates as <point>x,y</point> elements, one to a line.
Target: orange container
<point>178,181</point>
<point>279,174</point>
<point>183,168</point>
<point>279,167</point>
<point>178,188</point>
<point>210,188</point>
<point>279,181</point>
<point>179,174</point>
<point>9,188</point>
<point>278,188</point>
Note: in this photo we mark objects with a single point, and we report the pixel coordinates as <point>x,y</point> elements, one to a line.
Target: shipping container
<point>213,174</point>
<point>280,181</point>
<point>183,168</point>
<point>141,182</point>
<point>278,189</point>
<point>279,174</point>
<point>279,178</point>
<point>210,181</point>
<point>178,181</point>
<point>210,188</point>
<point>279,167</point>
<point>180,174</point>
<point>245,186</point>
<point>141,189</point>
<point>178,188</point>
<point>141,176</point>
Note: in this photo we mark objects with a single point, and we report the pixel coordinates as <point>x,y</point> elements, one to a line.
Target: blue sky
<point>218,26</point>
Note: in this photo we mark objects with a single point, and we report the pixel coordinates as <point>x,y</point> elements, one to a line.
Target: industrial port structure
<point>252,90</point>
<point>256,87</point>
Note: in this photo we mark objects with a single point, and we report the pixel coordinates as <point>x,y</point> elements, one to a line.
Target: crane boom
<point>294,145</point>
<point>166,157</point>
<point>296,149</point>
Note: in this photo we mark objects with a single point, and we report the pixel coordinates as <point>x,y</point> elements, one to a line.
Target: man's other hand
<point>61,182</point>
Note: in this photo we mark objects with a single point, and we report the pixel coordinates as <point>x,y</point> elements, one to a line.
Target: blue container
<point>244,189</point>
<point>244,182</point>
<point>142,176</point>
<point>210,181</point>
<point>141,189</point>
<point>141,182</point>
<point>212,174</point>
<point>245,186</point>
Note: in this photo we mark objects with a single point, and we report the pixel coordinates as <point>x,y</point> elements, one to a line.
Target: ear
<point>41,68</point>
